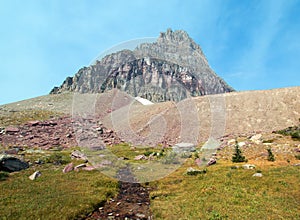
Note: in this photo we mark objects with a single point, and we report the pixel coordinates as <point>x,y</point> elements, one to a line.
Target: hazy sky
<point>251,44</point>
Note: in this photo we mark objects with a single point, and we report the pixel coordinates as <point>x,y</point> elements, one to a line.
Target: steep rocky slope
<point>170,69</point>
<point>201,117</point>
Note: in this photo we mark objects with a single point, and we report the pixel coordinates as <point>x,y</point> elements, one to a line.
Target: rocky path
<point>132,202</point>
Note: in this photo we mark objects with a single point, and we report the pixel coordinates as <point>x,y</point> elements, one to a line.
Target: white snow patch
<point>143,101</point>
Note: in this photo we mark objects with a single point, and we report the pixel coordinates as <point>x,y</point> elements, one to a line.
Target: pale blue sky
<point>251,44</point>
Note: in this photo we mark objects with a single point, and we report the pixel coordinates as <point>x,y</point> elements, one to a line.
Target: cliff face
<point>172,68</point>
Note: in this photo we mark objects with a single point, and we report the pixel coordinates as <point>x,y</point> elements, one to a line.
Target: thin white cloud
<point>253,62</point>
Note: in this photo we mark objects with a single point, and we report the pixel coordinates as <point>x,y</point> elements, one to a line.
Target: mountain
<point>170,69</point>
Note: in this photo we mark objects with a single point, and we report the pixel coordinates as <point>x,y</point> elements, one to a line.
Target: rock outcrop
<point>172,68</point>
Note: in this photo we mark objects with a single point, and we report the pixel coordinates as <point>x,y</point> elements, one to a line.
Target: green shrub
<point>170,158</point>
<point>196,172</point>
<point>237,156</point>
<point>58,159</point>
<point>270,155</point>
<point>3,175</point>
<point>215,215</point>
<point>196,155</point>
<point>297,157</point>
<point>295,135</point>
<point>148,153</point>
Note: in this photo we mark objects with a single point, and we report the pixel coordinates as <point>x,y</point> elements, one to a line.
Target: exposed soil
<point>132,202</point>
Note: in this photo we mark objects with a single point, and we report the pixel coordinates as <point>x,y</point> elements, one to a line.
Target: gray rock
<point>184,147</point>
<point>35,175</point>
<point>139,215</point>
<point>256,138</point>
<point>241,144</point>
<point>79,155</point>
<point>248,166</point>
<point>12,164</point>
<point>257,175</point>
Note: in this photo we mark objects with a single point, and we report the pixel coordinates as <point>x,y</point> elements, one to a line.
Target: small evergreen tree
<point>270,155</point>
<point>237,156</point>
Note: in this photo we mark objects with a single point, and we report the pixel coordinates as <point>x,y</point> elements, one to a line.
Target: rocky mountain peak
<point>170,69</point>
<point>174,36</point>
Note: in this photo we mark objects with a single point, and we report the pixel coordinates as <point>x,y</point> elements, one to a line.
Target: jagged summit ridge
<point>172,68</point>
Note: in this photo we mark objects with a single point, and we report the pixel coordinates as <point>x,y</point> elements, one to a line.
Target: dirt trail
<point>132,202</point>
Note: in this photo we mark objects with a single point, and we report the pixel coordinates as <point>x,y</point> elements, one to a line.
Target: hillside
<point>239,112</point>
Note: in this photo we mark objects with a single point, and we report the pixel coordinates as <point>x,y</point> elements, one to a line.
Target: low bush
<point>237,156</point>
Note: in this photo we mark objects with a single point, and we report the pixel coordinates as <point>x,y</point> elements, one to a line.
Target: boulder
<point>297,150</point>
<point>33,123</point>
<point>184,147</point>
<point>256,138</point>
<point>35,175</point>
<point>257,175</point>
<point>248,166</point>
<point>241,144</point>
<point>211,162</point>
<point>79,166</point>
<point>79,155</point>
<point>231,142</point>
<point>68,168</point>
<point>198,161</point>
<point>140,157</point>
<point>12,164</point>
<point>140,216</point>
<point>89,168</point>
<point>11,130</point>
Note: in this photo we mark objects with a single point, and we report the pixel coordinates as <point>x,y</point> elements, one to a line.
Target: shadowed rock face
<point>170,69</point>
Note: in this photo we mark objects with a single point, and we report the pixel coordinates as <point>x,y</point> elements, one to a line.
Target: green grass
<point>54,195</point>
<point>124,150</point>
<point>294,132</point>
<point>20,117</point>
<point>224,193</point>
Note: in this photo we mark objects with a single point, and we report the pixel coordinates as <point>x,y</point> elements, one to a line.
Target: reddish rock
<point>211,162</point>
<point>11,130</point>
<point>109,131</point>
<point>89,168</point>
<point>198,162</point>
<point>68,168</point>
<point>79,166</point>
<point>297,150</point>
<point>140,157</point>
<point>33,123</point>
<point>52,123</point>
<point>57,132</point>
